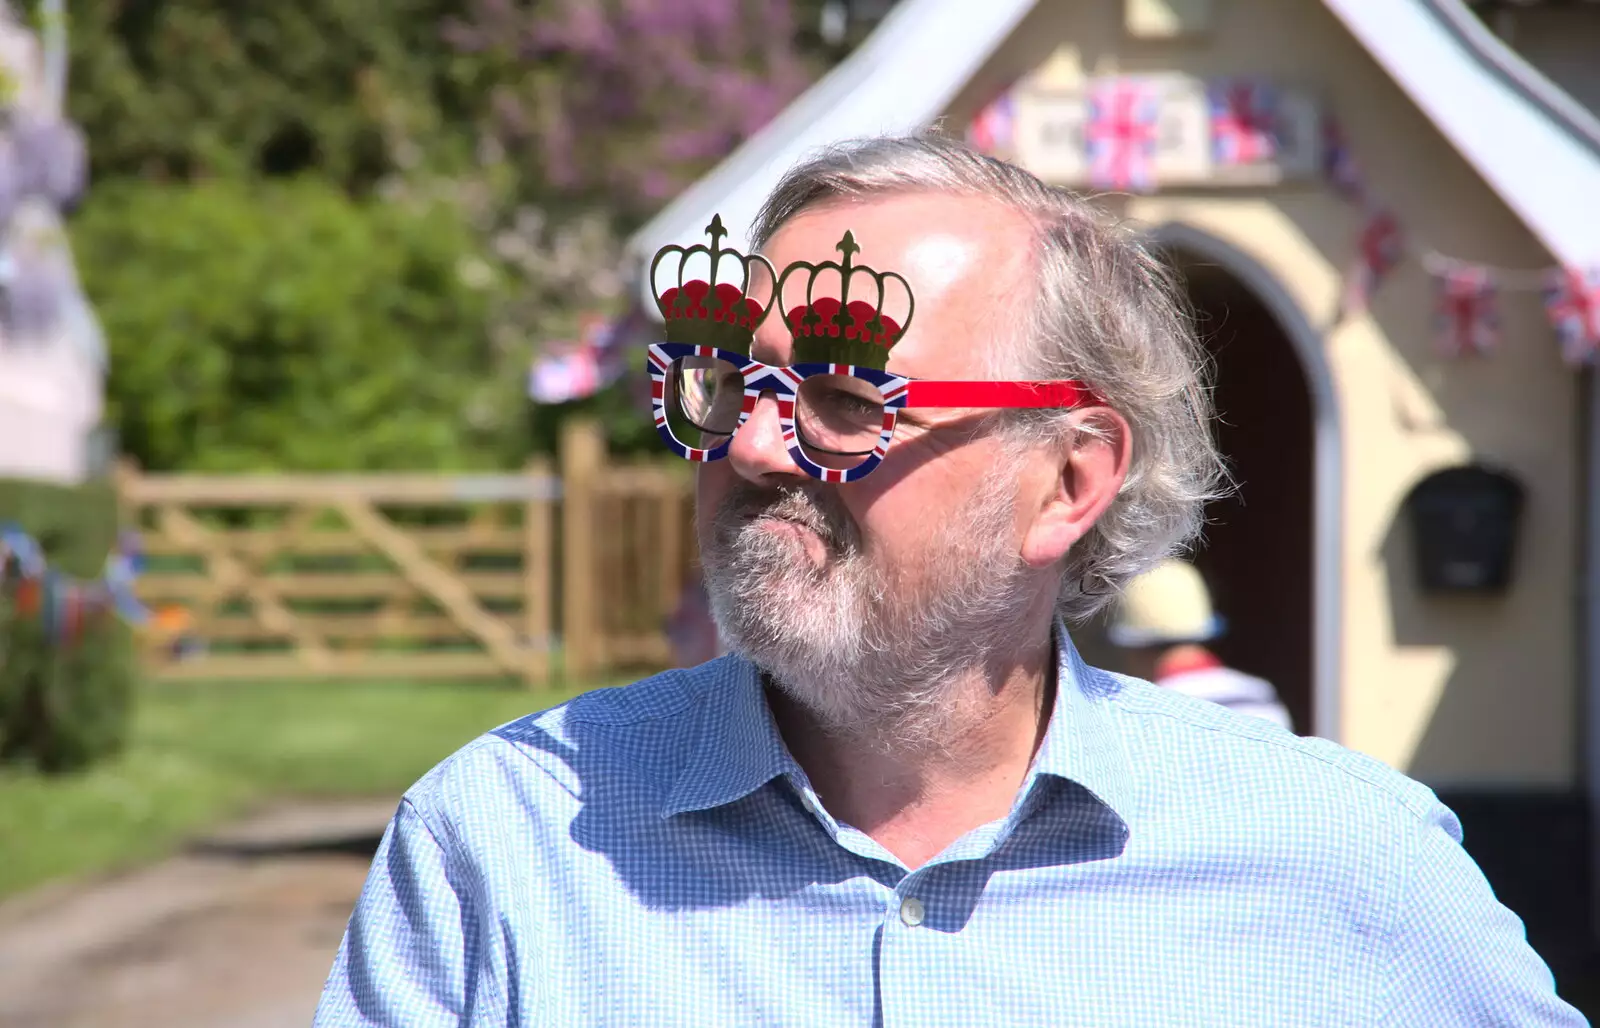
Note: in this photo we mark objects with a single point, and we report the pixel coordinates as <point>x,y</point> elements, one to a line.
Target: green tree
<point>532,145</point>
<point>189,88</point>
<point>283,325</point>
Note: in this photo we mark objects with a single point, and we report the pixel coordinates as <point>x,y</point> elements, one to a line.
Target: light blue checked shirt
<point>653,856</point>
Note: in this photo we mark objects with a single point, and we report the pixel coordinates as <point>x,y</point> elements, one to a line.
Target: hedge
<point>63,706</point>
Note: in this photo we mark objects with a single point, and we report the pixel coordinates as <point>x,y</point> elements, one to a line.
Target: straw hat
<point>1165,606</point>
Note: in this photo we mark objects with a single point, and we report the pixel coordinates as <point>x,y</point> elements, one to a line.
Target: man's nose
<point>758,452</point>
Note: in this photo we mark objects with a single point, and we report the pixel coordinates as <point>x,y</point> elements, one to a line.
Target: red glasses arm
<point>923,393</point>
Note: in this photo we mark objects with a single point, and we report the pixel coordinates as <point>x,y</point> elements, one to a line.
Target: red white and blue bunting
<point>1244,122</point>
<point>64,605</point>
<point>603,354</point>
<point>1379,249</point>
<point>1466,293</point>
<point>1121,134</point>
<point>1466,313</point>
<point>1120,137</point>
<point>994,128</point>
<point>572,370</point>
<point>1572,299</point>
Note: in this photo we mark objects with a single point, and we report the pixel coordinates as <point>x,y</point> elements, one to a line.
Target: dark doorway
<point>1257,553</point>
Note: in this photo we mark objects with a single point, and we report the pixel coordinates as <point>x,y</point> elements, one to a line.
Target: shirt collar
<point>1082,744</point>
<point>737,747</point>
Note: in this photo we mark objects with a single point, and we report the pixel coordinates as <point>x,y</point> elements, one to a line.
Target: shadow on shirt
<point>765,845</point>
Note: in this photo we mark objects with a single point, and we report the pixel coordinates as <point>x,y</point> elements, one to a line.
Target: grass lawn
<point>202,752</point>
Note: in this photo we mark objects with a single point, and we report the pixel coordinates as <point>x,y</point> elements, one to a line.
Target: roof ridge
<point>1516,69</point>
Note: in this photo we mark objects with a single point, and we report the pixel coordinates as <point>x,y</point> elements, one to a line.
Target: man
<point>903,799</point>
<point>1164,618</point>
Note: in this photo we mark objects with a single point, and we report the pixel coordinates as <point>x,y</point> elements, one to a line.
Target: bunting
<point>569,371</point>
<point>993,129</point>
<point>1339,167</point>
<point>1378,250</point>
<point>1572,300</point>
<point>64,605</point>
<point>1466,293</point>
<point>1244,122</point>
<point>1466,312</point>
<point>1121,134</point>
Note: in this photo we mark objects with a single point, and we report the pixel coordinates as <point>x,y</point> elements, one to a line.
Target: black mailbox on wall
<point>1464,529</point>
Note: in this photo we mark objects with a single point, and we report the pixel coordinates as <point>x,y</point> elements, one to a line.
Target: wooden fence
<point>412,576</point>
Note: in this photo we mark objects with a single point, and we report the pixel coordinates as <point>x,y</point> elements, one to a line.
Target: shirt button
<point>911,911</point>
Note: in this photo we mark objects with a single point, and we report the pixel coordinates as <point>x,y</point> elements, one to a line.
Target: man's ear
<point>1088,472</point>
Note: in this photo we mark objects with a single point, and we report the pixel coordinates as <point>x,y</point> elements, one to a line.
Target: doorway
<point>1257,554</point>
<point>1272,553</point>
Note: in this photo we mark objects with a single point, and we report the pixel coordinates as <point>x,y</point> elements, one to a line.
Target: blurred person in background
<point>1164,618</point>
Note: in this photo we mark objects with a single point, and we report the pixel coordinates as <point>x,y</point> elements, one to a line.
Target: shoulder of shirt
<point>638,735</point>
<point>1257,748</point>
<point>1221,684</point>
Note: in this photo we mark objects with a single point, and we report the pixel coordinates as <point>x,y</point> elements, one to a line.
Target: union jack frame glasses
<point>837,405</point>
<point>837,419</point>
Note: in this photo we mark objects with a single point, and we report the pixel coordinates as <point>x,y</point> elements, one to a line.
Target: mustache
<point>811,508</point>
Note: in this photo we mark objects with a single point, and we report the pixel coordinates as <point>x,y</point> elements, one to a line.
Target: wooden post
<point>537,575</point>
<point>583,457</point>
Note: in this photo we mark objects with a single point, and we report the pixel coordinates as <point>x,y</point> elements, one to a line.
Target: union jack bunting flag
<point>572,371</point>
<point>1381,246</point>
<point>1572,300</point>
<point>1466,312</point>
<point>1244,122</point>
<point>1121,134</point>
<point>1339,165</point>
<point>65,604</point>
<point>564,375</point>
<point>993,129</point>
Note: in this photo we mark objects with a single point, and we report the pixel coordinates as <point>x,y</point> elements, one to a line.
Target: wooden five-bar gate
<point>567,570</point>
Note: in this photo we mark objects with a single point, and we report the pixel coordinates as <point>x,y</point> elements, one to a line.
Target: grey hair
<point>1107,312</point>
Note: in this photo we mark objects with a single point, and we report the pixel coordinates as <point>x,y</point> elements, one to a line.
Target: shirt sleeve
<point>407,955</point>
<point>1459,956</point>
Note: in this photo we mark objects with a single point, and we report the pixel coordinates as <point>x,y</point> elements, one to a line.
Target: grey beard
<point>873,655</point>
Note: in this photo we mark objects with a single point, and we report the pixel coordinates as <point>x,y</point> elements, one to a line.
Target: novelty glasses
<point>837,419</point>
<point>837,405</point>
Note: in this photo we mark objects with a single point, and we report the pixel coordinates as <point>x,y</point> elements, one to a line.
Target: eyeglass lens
<point>838,418</point>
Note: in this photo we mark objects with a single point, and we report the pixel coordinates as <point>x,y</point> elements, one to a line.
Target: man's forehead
<point>964,258</point>
<point>922,231</point>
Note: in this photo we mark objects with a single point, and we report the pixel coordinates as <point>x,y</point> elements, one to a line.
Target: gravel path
<point>238,932</point>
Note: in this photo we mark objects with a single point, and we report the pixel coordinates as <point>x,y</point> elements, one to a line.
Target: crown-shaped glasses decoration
<point>829,330</point>
<point>837,403</point>
<point>706,312</point>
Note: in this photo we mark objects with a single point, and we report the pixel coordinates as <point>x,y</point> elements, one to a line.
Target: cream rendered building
<point>1479,132</point>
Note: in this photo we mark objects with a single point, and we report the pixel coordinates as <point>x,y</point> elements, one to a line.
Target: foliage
<point>593,113</point>
<point>625,103</point>
<point>281,325</point>
<point>199,88</point>
<point>201,752</point>
<point>548,128</point>
<point>62,707</point>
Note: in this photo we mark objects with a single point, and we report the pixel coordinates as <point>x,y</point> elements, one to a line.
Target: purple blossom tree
<point>627,101</point>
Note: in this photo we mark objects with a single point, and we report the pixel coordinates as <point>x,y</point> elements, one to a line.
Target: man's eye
<point>850,403</point>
